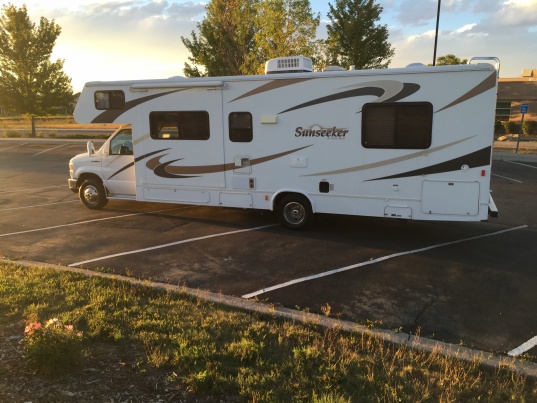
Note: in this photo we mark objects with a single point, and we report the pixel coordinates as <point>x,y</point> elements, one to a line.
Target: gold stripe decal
<point>390,161</point>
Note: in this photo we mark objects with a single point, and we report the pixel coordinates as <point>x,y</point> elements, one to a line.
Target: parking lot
<point>470,283</point>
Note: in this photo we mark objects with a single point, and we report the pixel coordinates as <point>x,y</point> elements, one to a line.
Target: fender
<point>290,190</point>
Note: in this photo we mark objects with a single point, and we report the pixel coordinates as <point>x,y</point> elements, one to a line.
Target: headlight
<point>71,167</point>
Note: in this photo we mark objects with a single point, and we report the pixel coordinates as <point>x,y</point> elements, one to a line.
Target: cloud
<point>122,39</point>
<point>416,13</point>
<point>515,14</point>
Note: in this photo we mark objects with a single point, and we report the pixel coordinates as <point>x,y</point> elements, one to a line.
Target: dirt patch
<point>110,374</point>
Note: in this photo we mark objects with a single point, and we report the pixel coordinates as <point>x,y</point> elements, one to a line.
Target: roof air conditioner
<point>293,64</point>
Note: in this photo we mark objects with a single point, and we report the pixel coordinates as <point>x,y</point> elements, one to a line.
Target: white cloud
<point>117,40</point>
<point>466,28</point>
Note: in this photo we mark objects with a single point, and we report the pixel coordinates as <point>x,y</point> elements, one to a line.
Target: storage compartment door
<point>450,198</point>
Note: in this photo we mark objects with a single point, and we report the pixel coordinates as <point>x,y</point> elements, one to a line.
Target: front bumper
<point>72,184</point>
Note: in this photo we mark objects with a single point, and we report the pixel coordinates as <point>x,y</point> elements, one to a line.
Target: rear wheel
<point>294,212</point>
<point>92,194</point>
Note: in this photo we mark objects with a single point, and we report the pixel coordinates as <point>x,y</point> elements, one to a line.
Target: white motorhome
<point>409,143</point>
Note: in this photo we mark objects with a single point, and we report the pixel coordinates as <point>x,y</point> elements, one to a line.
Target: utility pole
<point>436,35</point>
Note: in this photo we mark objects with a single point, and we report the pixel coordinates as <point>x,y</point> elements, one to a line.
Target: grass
<point>214,353</point>
<point>21,127</point>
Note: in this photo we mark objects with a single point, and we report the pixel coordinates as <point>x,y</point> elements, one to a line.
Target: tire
<point>294,212</point>
<point>92,194</point>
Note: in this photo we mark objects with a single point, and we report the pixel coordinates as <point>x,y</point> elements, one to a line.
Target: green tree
<point>237,36</point>
<point>285,28</point>
<point>449,59</point>
<point>29,81</point>
<point>225,40</point>
<point>355,38</point>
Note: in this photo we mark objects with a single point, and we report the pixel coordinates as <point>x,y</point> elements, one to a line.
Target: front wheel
<point>294,212</point>
<point>92,194</point>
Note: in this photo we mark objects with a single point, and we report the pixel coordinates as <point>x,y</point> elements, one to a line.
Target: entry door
<point>185,143</point>
<point>118,165</point>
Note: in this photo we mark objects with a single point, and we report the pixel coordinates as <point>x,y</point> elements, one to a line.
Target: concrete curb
<point>484,358</point>
<point>512,157</point>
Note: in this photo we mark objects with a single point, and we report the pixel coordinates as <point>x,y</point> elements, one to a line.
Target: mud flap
<point>493,210</point>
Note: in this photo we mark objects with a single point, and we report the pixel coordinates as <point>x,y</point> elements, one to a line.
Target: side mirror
<point>91,149</point>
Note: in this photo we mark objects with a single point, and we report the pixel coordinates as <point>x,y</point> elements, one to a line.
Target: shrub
<point>498,127</point>
<point>529,127</point>
<point>510,127</point>
<point>12,133</point>
<point>53,348</point>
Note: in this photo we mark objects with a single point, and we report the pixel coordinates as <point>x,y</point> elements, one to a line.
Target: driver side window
<point>121,144</point>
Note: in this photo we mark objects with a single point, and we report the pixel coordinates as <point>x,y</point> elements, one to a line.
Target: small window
<point>398,125</point>
<point>106,100</point>
<point>240,127</point>
<point>179,125</point>
<point>503,110</point>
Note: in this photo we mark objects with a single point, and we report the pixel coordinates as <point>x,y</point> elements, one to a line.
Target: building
<point>512,92</point>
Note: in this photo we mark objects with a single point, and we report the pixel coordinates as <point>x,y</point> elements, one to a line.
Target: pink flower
<point>69,327</point>
<point>31,328</point>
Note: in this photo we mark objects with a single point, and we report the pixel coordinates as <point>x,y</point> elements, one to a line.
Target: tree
<point>354,38</point>
<point>29,81</point>
<point>449,59</point>
<point>285,28</point>
<point>237,36</point>
<point>225,40</point>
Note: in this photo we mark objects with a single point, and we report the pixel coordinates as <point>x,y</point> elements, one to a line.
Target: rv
<point>409,143</point>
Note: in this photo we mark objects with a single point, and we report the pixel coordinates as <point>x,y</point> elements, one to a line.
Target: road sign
<point>524,108</point>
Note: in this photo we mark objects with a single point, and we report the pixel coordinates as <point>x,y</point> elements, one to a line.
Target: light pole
<point>436,35</point>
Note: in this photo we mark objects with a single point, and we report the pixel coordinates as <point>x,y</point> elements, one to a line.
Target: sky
<point>141,39</point>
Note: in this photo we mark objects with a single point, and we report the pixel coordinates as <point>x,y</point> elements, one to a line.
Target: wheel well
<point>85,176</point>
<point>281,195</point>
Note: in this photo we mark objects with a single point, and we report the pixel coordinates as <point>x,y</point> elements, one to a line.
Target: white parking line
<point>50,149</point>
<point>9,148</point>
<point>38,205</point>
<point>84,222</point>
<point>380,259</point>
<point>32,189</point>
<point>505,177</point>
<point>519,163</point>
<point>524,347</point>
<point>201,238</point>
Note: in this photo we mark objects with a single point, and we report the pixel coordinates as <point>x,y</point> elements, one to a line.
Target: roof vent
<point>334,68</point>
<point>294,64</point>
<point>414,65</point>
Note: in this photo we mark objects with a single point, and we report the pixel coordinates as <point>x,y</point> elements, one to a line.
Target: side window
<point>399,125</point>
<point>179,125</point>
<point>240,127</point>
<point>106,100</point>
<point>121,144</point>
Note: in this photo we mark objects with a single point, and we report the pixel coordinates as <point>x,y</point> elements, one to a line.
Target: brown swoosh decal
<point>390,161</point>
<point>480,158</point>
<point>111,115</point>
<point>154,164</point>
<point>272,85</point>
<point>378,89</point>
<point>486,85</point>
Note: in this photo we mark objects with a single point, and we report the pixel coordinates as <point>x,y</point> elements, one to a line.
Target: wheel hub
<point>91,195</point>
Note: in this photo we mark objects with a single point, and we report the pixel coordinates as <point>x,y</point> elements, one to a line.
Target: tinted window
<point>397,125</point>
<point>240,127</point>
<point>106,100</point>
<point>179,125</point>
